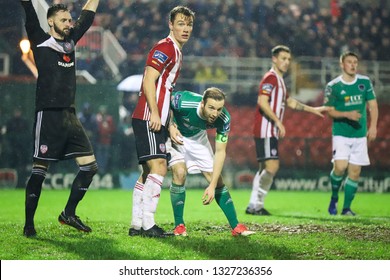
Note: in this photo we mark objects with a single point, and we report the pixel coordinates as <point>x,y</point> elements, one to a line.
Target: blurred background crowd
<point>226,33</point>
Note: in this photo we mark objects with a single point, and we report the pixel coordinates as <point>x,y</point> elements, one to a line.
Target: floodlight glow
<point>25,46</point>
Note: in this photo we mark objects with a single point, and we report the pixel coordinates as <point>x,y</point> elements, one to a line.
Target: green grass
<point>299,229</point>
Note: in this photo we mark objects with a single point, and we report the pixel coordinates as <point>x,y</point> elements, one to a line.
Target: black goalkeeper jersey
<point>55,60</point>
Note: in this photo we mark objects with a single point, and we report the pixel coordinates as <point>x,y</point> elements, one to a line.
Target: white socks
<point>262,183</point>
<point>150,198</point>
<point>136,219</point>
<point>255,188</point>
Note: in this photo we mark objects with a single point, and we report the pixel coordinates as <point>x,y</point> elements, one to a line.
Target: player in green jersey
<point>192,115</point>
<point>350,95</point>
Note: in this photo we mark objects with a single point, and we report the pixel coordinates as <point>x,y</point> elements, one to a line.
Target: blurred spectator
<point>132,65</point>
<point>17,146</point>
<point>99,68</point>
<point>225,24</point>
<point>186,79</point>
<point>218,74</point>
<point>242,97</point>
<point>106,130</point>
<point>89,122</point>
<point>127,152</point>
<point>129,101</point>
<point>206,75</point>
<point>127,157</point>
<point>17,134</point>
<point>202,73</point>
<point>244,28</point>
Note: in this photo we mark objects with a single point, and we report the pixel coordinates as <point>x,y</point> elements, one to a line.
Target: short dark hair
<point>187,12</point>
<point>279,48</point>
<point>348,53</point>
<point>56,8</point>
<point>213,93</point>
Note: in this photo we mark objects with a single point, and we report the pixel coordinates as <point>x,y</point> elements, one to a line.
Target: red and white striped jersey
<point>273,86</point>
<point>165,57</point>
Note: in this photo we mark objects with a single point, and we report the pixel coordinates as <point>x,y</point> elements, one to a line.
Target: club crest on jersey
<point>162,148</point>
<point>43,149</point>
<point>160,56</point>
<point>361,87</point>
<point>68,46</point>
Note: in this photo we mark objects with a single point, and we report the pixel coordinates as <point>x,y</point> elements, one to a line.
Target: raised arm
<point>33,28</point>
<point>91,5</point>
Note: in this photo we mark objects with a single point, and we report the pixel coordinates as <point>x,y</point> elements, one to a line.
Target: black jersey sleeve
<point>34,31</point>
<point>82,24</point>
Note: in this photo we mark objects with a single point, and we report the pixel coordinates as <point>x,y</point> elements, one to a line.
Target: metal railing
<point>100,43</point>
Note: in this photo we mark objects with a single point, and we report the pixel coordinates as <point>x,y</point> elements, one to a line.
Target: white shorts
<point>354,150</point>
<point>196,151</point>
<point>175,155</point>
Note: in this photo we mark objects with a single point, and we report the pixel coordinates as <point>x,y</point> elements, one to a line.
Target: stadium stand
<point>244,29</point>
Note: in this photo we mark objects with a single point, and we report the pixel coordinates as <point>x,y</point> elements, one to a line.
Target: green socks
<point>336,184</point>
<point>350,189</point>
<point>225,202</point>
<point>222,197</point>
<point>178,197</point>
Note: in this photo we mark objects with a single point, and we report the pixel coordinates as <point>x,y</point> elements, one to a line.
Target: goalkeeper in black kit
<point>58,134</point>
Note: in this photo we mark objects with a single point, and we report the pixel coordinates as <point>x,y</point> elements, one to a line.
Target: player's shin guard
<point>136,217</point>
<point>80,186</point>
<point>225,202</point>
<point>150,198</point>
<point>33,192</point>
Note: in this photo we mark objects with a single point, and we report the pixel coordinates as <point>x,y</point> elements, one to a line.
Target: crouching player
<point>192,115</point>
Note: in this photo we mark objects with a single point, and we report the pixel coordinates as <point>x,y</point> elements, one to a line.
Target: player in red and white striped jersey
<point>164,60</point>
<point>150,118</point>
<point>268,126</point>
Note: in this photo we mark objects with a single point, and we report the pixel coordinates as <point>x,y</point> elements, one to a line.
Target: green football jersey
<point>186,106</point>
<point>349,97</point>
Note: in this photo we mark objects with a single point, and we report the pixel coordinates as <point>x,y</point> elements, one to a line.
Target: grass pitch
<point>299,229</point>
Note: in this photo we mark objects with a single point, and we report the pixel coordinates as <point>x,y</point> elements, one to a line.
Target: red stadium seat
<point>320,152</point>
<point>292,152</point>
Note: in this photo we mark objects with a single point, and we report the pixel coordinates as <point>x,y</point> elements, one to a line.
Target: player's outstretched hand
<point>319,110</point>
<point>208,195</point>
